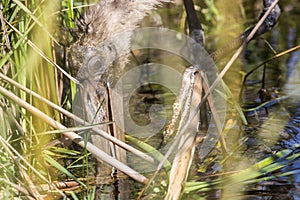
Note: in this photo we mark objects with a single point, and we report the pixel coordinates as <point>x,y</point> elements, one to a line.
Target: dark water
<point>271,128</point>
<point>277,127</point>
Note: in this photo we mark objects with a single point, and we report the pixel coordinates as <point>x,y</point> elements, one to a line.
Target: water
<point>270,129</point>
<point>277,127</point>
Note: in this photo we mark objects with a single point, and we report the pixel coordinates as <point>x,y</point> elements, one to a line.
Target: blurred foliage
<point>32,43</point>
<point>34,37</point>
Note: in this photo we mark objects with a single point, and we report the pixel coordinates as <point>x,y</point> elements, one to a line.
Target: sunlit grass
<point>29,156</point>
<point>264,170</point>
<point>30,34</point>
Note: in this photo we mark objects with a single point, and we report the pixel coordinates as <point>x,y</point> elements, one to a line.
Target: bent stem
<point>79,120</point>
<point>76,138</point>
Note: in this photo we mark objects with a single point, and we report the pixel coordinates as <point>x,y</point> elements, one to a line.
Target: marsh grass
<point>32,43</point>
<point>30,36</point>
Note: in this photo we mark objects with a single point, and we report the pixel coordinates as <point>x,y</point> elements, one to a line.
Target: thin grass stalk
<point>79,120</point>
<point>249,175</point>
<point>15,154</point>
<point>42,54</point>
<point>16,187</point>
<point>74,8</point>
<point>239,51</point>
<point>278,55</point>
<point>211,88</point>
<point>26,10</point>
<point>214,112</point>
<point>30,186</point>
<point>76,138</point>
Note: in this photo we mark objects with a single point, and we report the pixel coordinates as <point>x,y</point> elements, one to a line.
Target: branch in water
<point>267,25</point>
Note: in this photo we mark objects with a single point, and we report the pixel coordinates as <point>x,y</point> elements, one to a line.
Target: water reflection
<point>267,132</point>
<point>284,73</point>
